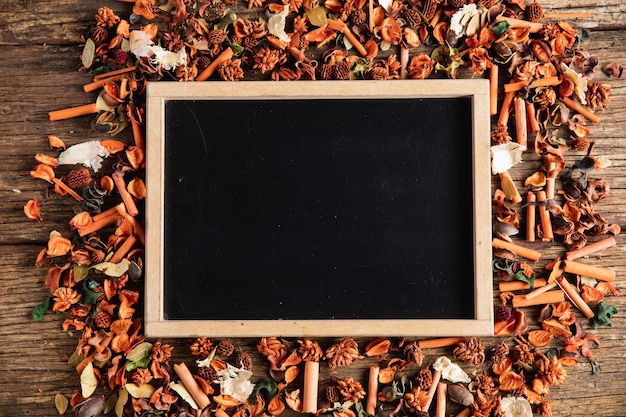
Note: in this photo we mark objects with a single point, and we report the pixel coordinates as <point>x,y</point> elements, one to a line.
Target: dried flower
<point>270,346</point>
<point>516,407</point>
<point>416,398</point>
<point>424,379</point>
<point>413,353</point>
<point>342,353</point>
<point>141,376</point>
<point>202,347</point>
<point>310,350</point>
<point>64,297</point>
<point>420,67</point>
<point>471,351</point>
<point>350,390</point>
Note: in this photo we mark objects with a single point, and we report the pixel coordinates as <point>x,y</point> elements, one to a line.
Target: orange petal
<point>47,159</point>
<point>540,338</point>
<point>377,347</point>
<point>113,146</point>
<point>80,220</point>
<point>137,188</point>
<point>56,142</point>
<point>510,381</point>
<point>276,405</point>
<point>226,401</point>
<point>135,156</point>
<point>31,210</point>
<point>121,326</point>
<point>58,246</point>
<point>43,172</point>
<point>291,373</point>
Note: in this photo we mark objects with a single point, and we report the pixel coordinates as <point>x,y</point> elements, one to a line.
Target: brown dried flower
<point>597,95</point>
<point>106,17</point>
<point>342,353</point>
<point>500,135</point>
<point>161,352</point>
<point>243,360</point>
<point>499,352</point>
<point>141,376</point>
<point>310,350</point>
<point>472,351</point>
<point>265,59</point>
<point>270,346</point>
<point>350,390</point>
<point>550,370</point>
<point>413,353</point>
<point>64,297</point>
<point>231,70</point>
<point>416,398</point>
<point>202,346</point>
<point>420,67</point>
<point>424,379</point>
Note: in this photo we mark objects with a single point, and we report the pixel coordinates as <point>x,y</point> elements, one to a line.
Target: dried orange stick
<point>138,231</point>
<point>591,248</point>
<point>503,119</point>
<point>98,224</point>
<point>442,392</point>
<point>116,72</point>
<point>311,379</point>
<point>575,297</point>
<point>92,86</point>
<point>67,189</point>
<point>538,291</point>
<point>549,297</point>
<point>73,112</point>
<point>432,389</point>
<point>531,213</point>
<point>192,386</point>
<point>522,251</point>
<point>579,15</point>
<point>520,24</point>
<point>440,342</point>
<point>584,111</point>
<point>372,390</point>
<point>544,216</point>
<point>106,213</point>
<point>493,89</point>
<point>340,26</point>
<point>531,117</point>
<point>514,86</point>
<point>123,249</point>
<point>213,66</point>
<point>591,271</point>
<point>521,129</point>
<point>127,199</point>
<point>520,285</point>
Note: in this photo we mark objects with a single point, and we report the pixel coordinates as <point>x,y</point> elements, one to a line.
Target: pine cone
<point>332,394</point>
<point>243,360</point>
<point>534,11</point>
<point>202,346</point>
<point>208,373</point>
<point>310,350</point>
<point>326,72</point>
<point>350,390</point>
<point>343,353</point>
<point>413,353</point>
<point>342,71</point>
<point>77,178</point>
<point>412,17</point>
<point>224,348</point>
<point>270,346</point>
<point>379,73</point>
<point>598,95</point>
<point>471,351</point>
<point>99,35</point>
<point>499,353</point>
<point>161,352</point>
<point>424,379</point>
<point>231,70</point>
<point>103,319</point>
<point>429,8</point>
<point>265,59</point>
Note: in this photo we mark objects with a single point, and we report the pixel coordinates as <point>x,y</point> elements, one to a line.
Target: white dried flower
<point>450,371</point>
<point>505,156</point>
<point>516,407</point>
<point>235,382</point>
<point>276,24</point>
<point>90,154</point>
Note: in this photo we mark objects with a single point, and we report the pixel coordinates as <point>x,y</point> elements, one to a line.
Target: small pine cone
<point>379,73</point>
<point>265,59</point>
<point>202,346</point>
<point>341,71</point>
<point>270,346</point>
<point>499,353</point>
<point>224,348</point>
<point>77,178</point>
<point>231,70</point>
<point>99,35</point>
<point>471,351</point>
<point>332,394</point>
<point>326,72</point>
<point>102,319</point>
<point>310,350</point>
<point>413,353</point>
<point>208,373</point>
<point>534,11</point>
<point>412,17</point>
<point>358,17</point>
<point>424,379</point>
<point>350,390</point>
<point>216,36</point>
<point>243,360</point>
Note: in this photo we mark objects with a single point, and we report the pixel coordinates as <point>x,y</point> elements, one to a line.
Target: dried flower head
<point>472,351</point>
<point>202,347</point>
<point>420,67</point>
<point>350,390</point>
<point>310,350</point>
<point>270,346</point>
<point>413,353</point>
<point>161,352</point>
<point>343,353</point>
<point>64,297</point>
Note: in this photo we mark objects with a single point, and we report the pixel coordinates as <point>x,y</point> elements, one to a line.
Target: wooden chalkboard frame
<point>159,93</point>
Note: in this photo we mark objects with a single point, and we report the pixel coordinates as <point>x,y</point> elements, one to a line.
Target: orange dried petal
<point>377,347</point>
<point>276,405</point>
<point>510,381</point>
<point>47,160</point>
<point>43,172</point>
<point>292,359</point>
<point>137,188</point>
<point>557,328</point>
<point>80,220</point>
<point>121,326</point>
<point>123,28</point>
<point>56,143</point>
<point>106,183</point>
<point>386,375</point>
<point>113,146</point>
<point>120,342</point>
<point>538,179</point>
<point>135,156</point>
<point>502,367</point>
<point>591,295</point>
<point>291,373</point>
<point>540,338</point>
<point>31,210</point>
<point>226,401</point>
<point>58,246</point>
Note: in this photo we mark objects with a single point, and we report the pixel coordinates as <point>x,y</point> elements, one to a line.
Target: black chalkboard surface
<point>324,209</point>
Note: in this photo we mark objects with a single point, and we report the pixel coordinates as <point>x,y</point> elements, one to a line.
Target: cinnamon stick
<point>520,285</point>
<point>440,342</point>
<point>579,15</point>
<point>591,248</point>
<point>116,72</point>
<point>98,224</point>
<point>432,389</point>
<point>514,86</point>
<point>123,249</point>
<point>591,271</point>
<point>520,24</point>
<point>522,251</point>
<point>442,391</point>
<point>493,89</point>
<point>531,118</point>
<point>372,390</point>
<point>311,379</point>
<point>521,129</point>
<point>548,297</point>
<point>127,199</point>
<point>577,107</point>
<point>73,112</point>
<point>531,213</point>
<point>503,119</point>
<point>544,216</point>
<point>551,180</point>
<point>138,231</point>
<point>192,386</point>
<point>213,66</point>
<point>573,295</point>
<point>340,26</point>
<point>538,291</point>
<point>67,189</point>
<point>95,85</point>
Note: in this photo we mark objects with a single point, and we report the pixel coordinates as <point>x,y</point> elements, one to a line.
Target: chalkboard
<point>318,208</point>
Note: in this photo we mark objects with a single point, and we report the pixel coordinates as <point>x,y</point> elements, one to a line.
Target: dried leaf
<point>293,400</point>
<point>184,394</point>
<point>111,269</point>
<point>137,188</point>
<point>31,210</point>
<point>510,381</point>
<point>291,373</point>
<point>540,338</point>
<point>276,405</point>
<point>317,16</point>
<point>144,391</point>
<point>377,347</point>
<point>88,381</point>
<point>113,146</point>
<point>56,142</point>
<point>58,245</point>
<point>88,53</point>
<point>61,402</point>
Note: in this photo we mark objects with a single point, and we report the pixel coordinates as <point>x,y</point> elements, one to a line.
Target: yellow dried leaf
<point>61,402</point>
<point>88,381</point>
<point>144,391</point>
<point>181,390</point>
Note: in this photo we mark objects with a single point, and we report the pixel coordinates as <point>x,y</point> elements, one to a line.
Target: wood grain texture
<point>40,46</point>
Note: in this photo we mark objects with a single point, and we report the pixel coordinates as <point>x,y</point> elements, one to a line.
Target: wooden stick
<point>340,26</point>
<point>192,386</point>
<point>521,129</point>
<point>591,248</point>
<point>522,251</point>
<point>106,213</point>
<point>95,85</point>
<point>531,118</point>
<point>213,66</point>
<point>514,86</point>
<point>73,112</point>
<point>311,379</point>
<point>531,219</point>
<point>577,107</point>
<point>98,224</point>
<point>548,297</point>
<point>544,216</point>
<point>127,199</point>
<point>540,290</point>
<point>440,342</point>
<point>520,285</point>
<point>123,249</point>
<point>116,72</point>
<point>442,391</point>
<point>579,15</point>
<point>551,180</point>
<point>591,271</point>
<point>404,62</point>
<point>506,108</point>
<point>432,389</point>
<point>493,89</point>
<point>520,24</point>
<point>372,390</point>
<point>509,187</point>
<point>573,295</point>
<point>67,189</point>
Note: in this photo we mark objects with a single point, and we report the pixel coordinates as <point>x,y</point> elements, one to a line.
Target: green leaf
<point>519,275</point>
<point>91,297</point>
<point>604,314</point>
<point>501,28</point>
<point>132,365</point>
<point>317,16</point>
<point>40,310</point>
<point>268,385</point>
<point>237,49</point>
<point>140,352</point>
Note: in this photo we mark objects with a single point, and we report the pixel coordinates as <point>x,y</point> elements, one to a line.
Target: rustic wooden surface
<point>39,50</point>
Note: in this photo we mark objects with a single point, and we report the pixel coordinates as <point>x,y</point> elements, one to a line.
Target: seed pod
<point>460,395</point>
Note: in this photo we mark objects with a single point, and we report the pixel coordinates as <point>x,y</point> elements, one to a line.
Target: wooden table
<point>40,46</point>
